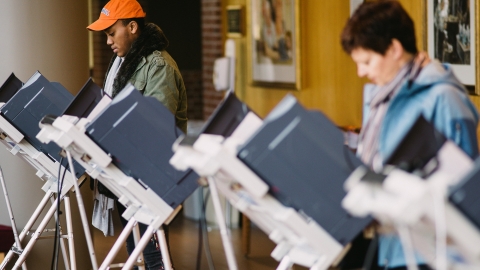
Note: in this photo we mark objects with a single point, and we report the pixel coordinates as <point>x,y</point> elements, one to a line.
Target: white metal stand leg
<point>162,242</point>
<point>132,225</point>
<point>28,226</point>
<point>118,244</point>
<point>41,227</point>
<point>35,236</point>
<point>71,242</point>
<point>139,248</point>
<point>227,244</point>
<point>136,238</point>
<point>83,215</point>
<point>285,264</point>
<point>64,253</point>
<point>407,245</point>
<point>228,214</point>
<point>18,244</point>
<point>61,240</point>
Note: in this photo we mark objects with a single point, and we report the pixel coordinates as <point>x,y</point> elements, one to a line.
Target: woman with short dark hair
<point>380,38</point>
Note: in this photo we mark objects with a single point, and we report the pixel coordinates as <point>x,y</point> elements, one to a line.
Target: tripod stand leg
<point>71,241</point>
<point>118,244</point>
<point>83,215</point>
<point>227,244</point>
<point>61,240</point>
<point>162,241</point>
<point>139,248</point>
<point>35,236</point>
<point>28,226</point>
<point>136,239</point>
<point>64,253</point>
<point>285,264</point>
<point>12,219</point>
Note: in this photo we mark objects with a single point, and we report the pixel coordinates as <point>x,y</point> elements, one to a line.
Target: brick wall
<point>193,83</point>
<point>212,48</point>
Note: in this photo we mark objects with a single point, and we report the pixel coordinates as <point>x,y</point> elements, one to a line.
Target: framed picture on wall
<point>452,37</point>
<point>235,21</point>
<point>274,40</point>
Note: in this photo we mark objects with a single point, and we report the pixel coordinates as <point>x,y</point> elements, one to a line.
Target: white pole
<point>61,240</point>
<point>12,219</point>
<point>147,235</point>
<point>118,244</point>
<point>71,243</point>
<point>162,241</point>
<point>35,236</point>
<point>83,215</point>
<point>227,244</point>
<point>28,226</point>
<point>136,239</point>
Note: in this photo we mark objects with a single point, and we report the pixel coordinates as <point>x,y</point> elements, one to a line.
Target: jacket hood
<point>435,73</point>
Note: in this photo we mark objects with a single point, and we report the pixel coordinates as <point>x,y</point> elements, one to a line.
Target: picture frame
<point>235,21</point>
<point>451,35</point>
<point>274,38</point>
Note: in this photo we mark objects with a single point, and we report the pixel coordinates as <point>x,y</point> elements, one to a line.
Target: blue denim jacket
<point>438,95</point>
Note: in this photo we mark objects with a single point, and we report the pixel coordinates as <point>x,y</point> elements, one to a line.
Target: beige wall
<point>330,83</point>
<point>329,80</point>
<point>48,36</point>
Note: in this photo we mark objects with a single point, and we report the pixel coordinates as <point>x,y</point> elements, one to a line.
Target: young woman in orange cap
<point>139,57</point>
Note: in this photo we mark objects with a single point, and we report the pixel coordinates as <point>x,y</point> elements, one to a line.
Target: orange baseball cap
<point>115,10</point>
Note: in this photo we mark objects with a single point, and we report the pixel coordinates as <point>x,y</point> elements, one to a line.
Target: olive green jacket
<point>153,71</point>
<point>158,76</point>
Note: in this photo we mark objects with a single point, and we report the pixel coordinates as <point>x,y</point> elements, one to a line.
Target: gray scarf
<point>368,147</point>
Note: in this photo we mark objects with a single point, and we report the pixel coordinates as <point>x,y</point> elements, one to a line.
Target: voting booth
<point>425,196</point>
<point>260,170</point>
<point>24,106</point>
<point>127,147</point>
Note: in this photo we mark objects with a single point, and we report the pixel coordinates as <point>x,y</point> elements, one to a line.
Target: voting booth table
<point>428,196</point>
<point>290,173</point>
<point>286,174</point>
<point>23,106</point>
<point>127,147</point>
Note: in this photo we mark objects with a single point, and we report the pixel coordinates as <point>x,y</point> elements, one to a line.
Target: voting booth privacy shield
<point>35,99</point>
<point>139,132</point>
<point>226,117</point>
<point>302,156</point>
<point>27,104</point>
<point>9,88</point>
<point>465,195</point>
<point>415,151</point>
<point>85,101</point>
<point>24,105</point>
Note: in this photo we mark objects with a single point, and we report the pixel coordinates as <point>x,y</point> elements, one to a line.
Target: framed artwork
<point>274,39</point>
<point>235,21</point>
<point>452,37</point>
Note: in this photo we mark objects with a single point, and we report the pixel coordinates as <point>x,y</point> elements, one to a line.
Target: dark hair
<point>140,21</point>
<point>374,25</point>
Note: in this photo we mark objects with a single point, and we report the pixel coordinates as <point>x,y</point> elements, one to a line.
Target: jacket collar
<point>433,73</point>
<point>151,39</point>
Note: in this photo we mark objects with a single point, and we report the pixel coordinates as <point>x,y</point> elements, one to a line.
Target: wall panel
<point>329,81</point>
<point>329,78</point>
